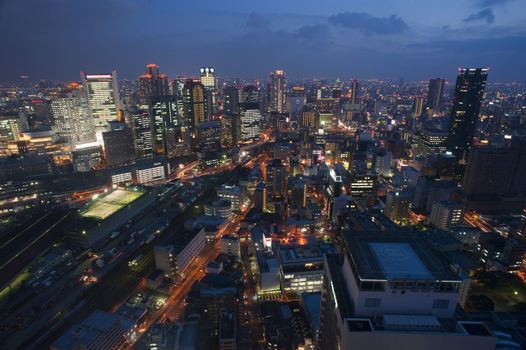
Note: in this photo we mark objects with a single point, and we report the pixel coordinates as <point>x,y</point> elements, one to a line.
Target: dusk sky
<point>413,39</point>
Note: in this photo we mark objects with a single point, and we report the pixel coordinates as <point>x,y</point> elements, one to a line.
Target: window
<point>440,304</point>
<point>372,302</point>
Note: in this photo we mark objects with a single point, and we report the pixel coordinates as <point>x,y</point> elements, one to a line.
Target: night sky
<point>413,39</point>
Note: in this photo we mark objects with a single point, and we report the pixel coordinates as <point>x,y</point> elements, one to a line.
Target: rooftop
<point>401,255</point>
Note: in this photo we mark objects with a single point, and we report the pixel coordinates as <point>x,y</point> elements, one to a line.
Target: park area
<point>497,291</point>
<point>103,207</point>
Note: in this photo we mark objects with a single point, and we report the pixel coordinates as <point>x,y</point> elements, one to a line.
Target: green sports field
<point>107,205</point>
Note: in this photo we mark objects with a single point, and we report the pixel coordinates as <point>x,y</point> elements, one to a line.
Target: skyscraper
<point>209,82</point>
<point>164,119</point>
<point>278,87</point>
<point>193,103</point>
<point>230,100</point>
<point>70,116</point>
<point>103,97</point>
<point>250,118</point>
<point>418,107</point>
<point>434,94</point>
<point>152,84</point>
<point>466,107</point>
<point>118,146</point>
<point>354,91</point>
<point>142,133</point>
<point>276,175</point>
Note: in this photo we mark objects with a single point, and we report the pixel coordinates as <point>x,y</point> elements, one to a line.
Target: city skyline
<point>342,40</point>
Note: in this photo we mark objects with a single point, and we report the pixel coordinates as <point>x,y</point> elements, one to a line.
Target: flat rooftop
<point>396,256</point>
<point>103,207</point>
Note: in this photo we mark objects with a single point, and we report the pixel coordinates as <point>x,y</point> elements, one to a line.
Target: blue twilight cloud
<point>368,24</point>
<point>486,15</point>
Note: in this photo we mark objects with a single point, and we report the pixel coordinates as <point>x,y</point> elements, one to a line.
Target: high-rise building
<point>310,118</point>
<point>71,118</point>
<point>469,90</point>
<point>194,103</point>
<point>495,171</point>
<point>434,94</point>
<point>393,290</point>
<point>418,107</point>
<point>397,205</point>
<point>103,97</point>
<point>296,100</point>
<point>276,176</point>
<point>260,196</point>
<point>230,100</point>
<point>140,123</point>
<point>355,90</point>
<point>250,118</point>
<point>431,142</point>
<point>278,88</point>
<point>165,124</point>
<point>209,137</point>
<point>152,84</point>
<point>447,214</point>
<point>118,146</point>
<point>250,94</point>
<point>209,82</point>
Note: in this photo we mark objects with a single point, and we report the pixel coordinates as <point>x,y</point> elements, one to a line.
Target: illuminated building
<point>469,90</point>
<point>193,103</point>
<point>10,127</point>
<point>140,123</point>
<point>250,118</point>
<point>434,94</point>
<point>232,193</point>
<point>165,124</point>
<point>71,118</point>
<point>296,100</point>
<point>152,84</point>
<point>230,100</point>
<point>208,80</point>
<point>418,107</point>
<point>209,137</point>
<point>278,87</point>
<point>447,214</point>
<point>260,197</point>
<point>310,118</point>
<point>87,157</point>
<point>355,90</point>
<point>103,97</point>
<point>250,94</point>
<point>394,288</point>
<point>45,142</point>
<point>276,176</point>
<point>397,205</point>
<point>301,268</point>
<point>431,142</point>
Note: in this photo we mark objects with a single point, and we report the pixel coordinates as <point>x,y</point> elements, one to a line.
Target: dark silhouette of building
<point>434,94</point>
<point>152,84</point>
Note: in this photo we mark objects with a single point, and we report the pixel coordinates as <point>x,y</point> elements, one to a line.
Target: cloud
<point>490,3</point>
<point>486,15</point>
<point>368,24</point>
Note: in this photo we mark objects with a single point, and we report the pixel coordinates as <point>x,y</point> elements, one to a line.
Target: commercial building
<point>278,88</point>
<point>220,207</point>
<point>250,117</point>
<point>208,80</point>
<point>193,103</point>
<point>230,245</point>
<point>434,95</point>
<point>276,178</point>
<point>152,84</point>
<point>392,288</point>
<point>101,330</point>
<point>165,124</point>
<point>397,205</point>
<point>447,214</point>
<point>232,193</point>
<point>174,258</point>
<point>431,142</point>
<point>118,146</point>
<point>301,268</point>
<point>469,90</point>
<point>103,97</point>
<point>87,157</point>
<point>227,331</point>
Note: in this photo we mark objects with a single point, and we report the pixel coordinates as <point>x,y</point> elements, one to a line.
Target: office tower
<point>469,90</point>
<point>382,163</point>
<point>10,127</point>
<point>227,331</point>
<point>431,142</point>
<point>103,97</point>
<point>194,103</point>
<point>71,118</point>
<point>231,100</point>
<point>310,118</point>
<point>230,130</point>
<point>278,87</point>
<point>393,290</point>
<point>276,175</point>
<point>209,82</point>
<point>165,121</point>
<point>514,253</point>
<point>418,107</point>
<point>296,100</point>
<point>397,206</point>
<point>209,137</point>
<point>177,89</point>
<point>250,94</point>
<point>434,94</point>
<point>260,196</point>
<point>249,118</point>
<point>152,84</point>
<point>87,157</point>
<point>118,146</point>
<point>354,91</point>
<point>140,123</point>
<point>298,192</point>
<point>495,171</point>
<point>447,214</point>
